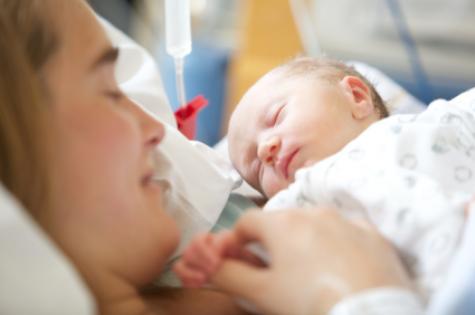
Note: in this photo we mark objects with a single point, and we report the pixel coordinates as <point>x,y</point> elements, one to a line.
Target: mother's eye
<point>115,95</point>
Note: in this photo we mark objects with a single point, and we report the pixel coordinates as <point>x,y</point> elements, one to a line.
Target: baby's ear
<point>359,95</point>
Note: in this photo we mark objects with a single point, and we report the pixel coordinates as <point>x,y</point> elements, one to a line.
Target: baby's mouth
<point>284,163</point>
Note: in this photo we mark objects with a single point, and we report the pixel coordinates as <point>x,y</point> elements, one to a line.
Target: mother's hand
<point>317,259</point>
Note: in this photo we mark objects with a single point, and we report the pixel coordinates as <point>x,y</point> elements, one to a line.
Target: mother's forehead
<point>66,12</point>
<point>81,35</point>
<point>77,24</point>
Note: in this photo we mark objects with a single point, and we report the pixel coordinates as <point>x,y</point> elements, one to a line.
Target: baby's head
<point>296,115</point>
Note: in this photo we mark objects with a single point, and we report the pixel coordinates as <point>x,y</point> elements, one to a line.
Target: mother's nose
<point>154,131</point>
<point>268,149</point>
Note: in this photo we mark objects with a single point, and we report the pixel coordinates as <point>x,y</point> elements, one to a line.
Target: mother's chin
<point>156,255</point>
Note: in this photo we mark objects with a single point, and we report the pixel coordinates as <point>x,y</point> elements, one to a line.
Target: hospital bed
<point>36,278</point>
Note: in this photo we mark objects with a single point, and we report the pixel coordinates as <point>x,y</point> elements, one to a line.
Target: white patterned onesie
<point>411,175</point>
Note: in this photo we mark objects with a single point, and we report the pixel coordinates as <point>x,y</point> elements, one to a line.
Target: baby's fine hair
<point>333,71</point>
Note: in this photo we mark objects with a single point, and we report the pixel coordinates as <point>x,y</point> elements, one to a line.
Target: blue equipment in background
<point>206,73</point>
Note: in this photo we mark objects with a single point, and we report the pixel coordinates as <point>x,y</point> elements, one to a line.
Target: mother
<point>104,210</point>
<point>99,203</point>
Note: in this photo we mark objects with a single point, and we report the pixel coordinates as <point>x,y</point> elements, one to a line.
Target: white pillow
<point>35,277</point>
<point>200,180</point>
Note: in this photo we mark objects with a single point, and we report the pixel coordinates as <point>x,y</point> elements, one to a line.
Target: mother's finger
<point>241,279</point>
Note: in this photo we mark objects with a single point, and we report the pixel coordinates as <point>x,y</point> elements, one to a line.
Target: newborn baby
<point>410,175</point>
<point>296,115</point>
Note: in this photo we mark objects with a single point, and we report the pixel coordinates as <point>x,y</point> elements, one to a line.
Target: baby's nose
<point>268,149</point>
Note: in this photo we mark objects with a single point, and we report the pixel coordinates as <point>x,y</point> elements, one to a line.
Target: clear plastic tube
<point>180,81</point>
<point>178,39</point>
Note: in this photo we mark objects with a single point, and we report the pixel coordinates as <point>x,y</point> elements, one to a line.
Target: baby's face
<point>285,123</point>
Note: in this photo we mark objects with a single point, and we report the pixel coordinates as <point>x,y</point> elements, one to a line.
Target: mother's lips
<point>284,162</point>
<point>147,178</point>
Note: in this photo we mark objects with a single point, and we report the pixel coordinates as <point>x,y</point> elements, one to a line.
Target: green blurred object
<point>234,208</point>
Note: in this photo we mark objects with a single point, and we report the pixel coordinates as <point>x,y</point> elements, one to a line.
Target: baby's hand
<point>203,257</point>
<point>199,261</point>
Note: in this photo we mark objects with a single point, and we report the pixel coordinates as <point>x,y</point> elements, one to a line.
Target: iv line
<point>180,82</point>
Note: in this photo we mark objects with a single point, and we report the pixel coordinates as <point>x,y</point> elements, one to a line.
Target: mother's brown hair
<point>26,43</point>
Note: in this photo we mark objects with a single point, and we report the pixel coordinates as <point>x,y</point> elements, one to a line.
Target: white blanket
<point>411,175</point>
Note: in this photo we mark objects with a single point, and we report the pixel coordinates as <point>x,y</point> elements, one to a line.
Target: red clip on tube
<point>186,116</point>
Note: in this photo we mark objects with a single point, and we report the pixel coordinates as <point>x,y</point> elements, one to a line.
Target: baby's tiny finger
<point>189,277</point>
<point>227,245</point>
<point>201,255</point>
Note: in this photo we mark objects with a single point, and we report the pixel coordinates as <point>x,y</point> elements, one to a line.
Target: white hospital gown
<point>411,175</point>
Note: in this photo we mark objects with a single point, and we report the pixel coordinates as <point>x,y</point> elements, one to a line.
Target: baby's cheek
<point>271,185</point>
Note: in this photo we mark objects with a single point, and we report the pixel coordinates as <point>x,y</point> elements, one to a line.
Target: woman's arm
<point>191,301</point>
<point>387,301</point>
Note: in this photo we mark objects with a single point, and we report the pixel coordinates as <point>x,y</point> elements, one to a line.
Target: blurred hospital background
<point>427,46</point>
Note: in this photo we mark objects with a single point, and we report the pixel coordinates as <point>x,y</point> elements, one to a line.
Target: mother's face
<point>106,209</point>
